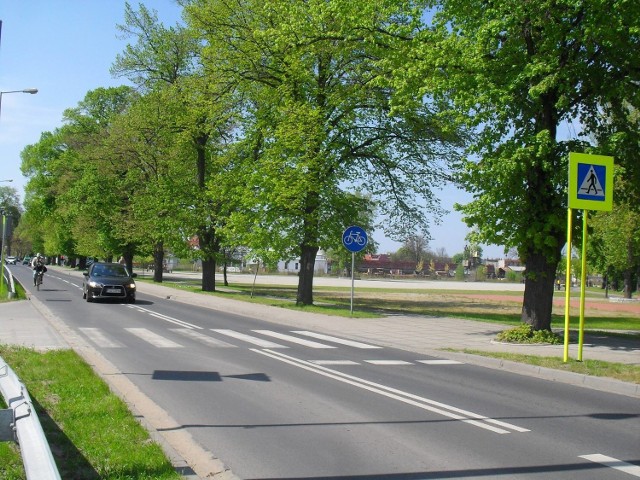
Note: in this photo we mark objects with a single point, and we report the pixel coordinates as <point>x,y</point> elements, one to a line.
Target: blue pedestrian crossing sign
<point>590,182</point>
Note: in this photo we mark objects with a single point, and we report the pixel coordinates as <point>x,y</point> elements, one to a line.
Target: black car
<point>108,280</point>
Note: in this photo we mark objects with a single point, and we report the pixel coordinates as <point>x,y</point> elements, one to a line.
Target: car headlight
<point>94,284</point>
<point>131,286</point>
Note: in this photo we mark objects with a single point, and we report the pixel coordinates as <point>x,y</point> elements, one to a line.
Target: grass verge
<point>597,368</point>
<point>91,432</point>
<point>378,302</point>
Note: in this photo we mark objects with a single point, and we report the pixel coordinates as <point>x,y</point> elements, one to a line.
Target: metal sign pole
<point>567,288</point>
<point>583,281</point>
<point>353,263</point>
<point>354,239</point>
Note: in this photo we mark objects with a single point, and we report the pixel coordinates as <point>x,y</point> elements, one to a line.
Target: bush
<point>526,334</point>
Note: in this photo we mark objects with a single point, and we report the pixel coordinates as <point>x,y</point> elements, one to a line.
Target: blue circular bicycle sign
<point>354,238</point>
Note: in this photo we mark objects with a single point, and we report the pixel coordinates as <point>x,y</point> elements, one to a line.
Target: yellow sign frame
<point>579,164</point>
<point>589,170</point>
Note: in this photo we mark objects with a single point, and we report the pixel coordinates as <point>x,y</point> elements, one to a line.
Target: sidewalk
<point>25,323</point>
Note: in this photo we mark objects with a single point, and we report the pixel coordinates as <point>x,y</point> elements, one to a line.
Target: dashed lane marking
<point>388,362</point>
<point>334,362</point>
<point>440,362</point>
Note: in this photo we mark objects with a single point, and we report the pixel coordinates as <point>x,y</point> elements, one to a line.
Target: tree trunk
<point>305,280</point>
<point>628,282</point>
<point>209,246</point>
<point>538,291</point>
<point>224,275</point>
<point>158,259</point>
<point>628,272</point>
<point>129,249</point>
<point>209,274</point>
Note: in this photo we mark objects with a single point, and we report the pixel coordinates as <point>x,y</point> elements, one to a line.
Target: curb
<point>604,384</point>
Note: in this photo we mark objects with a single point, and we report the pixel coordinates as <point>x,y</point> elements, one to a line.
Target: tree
<point>515,71</point>
<point>169,59</point>
<point>158,178</point>
<point>317,122</point>
<point>10,206</point>
<point>616,243</point>
<point>71,179</point>
<point>619,252</point>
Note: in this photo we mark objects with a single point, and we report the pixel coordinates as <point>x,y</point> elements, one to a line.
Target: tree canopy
<point>514,72</point>
<point>273,125</point>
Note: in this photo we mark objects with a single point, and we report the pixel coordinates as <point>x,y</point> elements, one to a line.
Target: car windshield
<point>109,271</point>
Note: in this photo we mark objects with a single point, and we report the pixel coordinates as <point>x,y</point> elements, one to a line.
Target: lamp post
<point>4,239</point>
<point>32,91</point>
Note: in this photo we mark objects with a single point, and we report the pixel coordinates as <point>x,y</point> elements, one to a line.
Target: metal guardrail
<point>10,281</point>
<point>20,423</point>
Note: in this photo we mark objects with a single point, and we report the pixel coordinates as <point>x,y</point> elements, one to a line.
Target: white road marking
<point>167,318</point>
<point>249,339</point>
<point>329,338</point>
<point>334,362</point>
<point>405,397</point>
<point>625,467</point>
<point>100,339</point>
<point>440,362</point>
<point>200,337</point>
<point>290,338</point>
<point>153,338</point>
<point>388,362</point>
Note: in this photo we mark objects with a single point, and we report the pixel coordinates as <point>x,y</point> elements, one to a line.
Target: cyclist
<point>37,264</point>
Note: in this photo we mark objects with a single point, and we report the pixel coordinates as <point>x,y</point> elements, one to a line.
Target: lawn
<point>501,307</point>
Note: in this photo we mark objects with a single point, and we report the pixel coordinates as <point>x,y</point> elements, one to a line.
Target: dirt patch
<point>600,305</point>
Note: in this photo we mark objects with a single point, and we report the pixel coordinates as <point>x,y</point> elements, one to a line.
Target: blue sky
<point>65,48</point>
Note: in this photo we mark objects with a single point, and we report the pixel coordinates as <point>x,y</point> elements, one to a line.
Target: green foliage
<point>315,121</point>
<point>526,334</point>
<point>514,72</point>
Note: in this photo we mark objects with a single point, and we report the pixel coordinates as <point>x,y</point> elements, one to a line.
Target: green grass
<point>377,302</point>
<point>91,432</point>
<point>4,293</point>
<point>598,368</point>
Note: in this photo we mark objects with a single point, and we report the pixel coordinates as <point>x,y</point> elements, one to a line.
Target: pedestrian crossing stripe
<point>102,340</point>
<point>590,182</point>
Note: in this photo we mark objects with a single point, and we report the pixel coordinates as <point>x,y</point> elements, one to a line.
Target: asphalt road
<point>276,402</point>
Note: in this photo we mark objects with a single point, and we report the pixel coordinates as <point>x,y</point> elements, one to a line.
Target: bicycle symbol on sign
<point>355,237</point>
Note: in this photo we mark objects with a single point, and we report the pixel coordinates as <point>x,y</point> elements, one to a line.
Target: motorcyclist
<point>37,264</point>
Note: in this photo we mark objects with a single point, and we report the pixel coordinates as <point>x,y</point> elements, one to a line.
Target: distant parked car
<point>108,280</point>
<point>11,260</point>
<point>26,260</point>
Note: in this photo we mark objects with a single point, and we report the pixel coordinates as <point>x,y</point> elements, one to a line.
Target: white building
<point>293,266</point>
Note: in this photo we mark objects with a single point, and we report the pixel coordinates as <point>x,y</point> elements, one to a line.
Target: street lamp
<point>2,181</point>
<point>4,239</point>
<point>32,91</point>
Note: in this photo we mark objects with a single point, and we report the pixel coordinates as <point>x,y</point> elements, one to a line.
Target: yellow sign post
<point>590,188</point>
